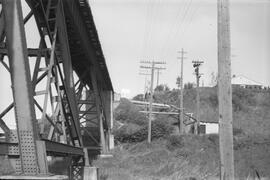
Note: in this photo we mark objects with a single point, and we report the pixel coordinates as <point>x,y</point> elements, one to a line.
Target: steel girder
<point>61,118</point>
<point>30,162</point>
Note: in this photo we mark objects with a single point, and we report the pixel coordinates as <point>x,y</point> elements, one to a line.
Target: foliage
<point>128,112</point>
<point>162,87</point>
<point>159,129</point>
<point>139,97</point>
<point>188,85</point>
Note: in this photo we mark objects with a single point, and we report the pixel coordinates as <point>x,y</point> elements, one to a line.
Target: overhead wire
<point>173,27</point>
<point>180,26</point>
<point>160,28</point>
<point>152,28</point>
<point>146,32</point>
<point>154,39</point>
<point>188,23</point>
<point>149,27</point>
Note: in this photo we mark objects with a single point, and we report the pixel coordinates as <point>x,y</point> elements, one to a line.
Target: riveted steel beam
<point>30,51</point>
<point>59,148</point>
<point>68,71</point>
<point>22,89</point>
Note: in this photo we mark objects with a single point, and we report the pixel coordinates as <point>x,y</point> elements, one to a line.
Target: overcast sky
<point>134,30</point>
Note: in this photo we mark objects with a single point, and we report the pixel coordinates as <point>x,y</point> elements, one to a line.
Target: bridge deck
<point>84,43</point>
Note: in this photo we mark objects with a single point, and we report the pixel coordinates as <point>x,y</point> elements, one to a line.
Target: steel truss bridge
<point>75,104</point>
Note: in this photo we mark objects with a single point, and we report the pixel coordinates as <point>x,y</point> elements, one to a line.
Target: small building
<point>244,82</point>
<point>209,128</point>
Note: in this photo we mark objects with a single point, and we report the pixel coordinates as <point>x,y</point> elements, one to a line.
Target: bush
<point>129,113</point>
<point>159,129</point>
<point>139,97</point>
<point>162,87</point>
<point>188,85</point>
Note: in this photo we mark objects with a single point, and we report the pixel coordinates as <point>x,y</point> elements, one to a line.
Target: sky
<point>134,30</point>
<point>131,31</point>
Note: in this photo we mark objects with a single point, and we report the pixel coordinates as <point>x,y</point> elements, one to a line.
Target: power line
<point>147,30</point>
<point>145,80</point>
<point>181,94</point>
<point>153,68</point>
<point>173,27</point>
<point>179,25</point>
<point>182,34</point>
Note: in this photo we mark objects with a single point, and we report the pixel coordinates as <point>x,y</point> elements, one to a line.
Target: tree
<point>139,97</point>
<point>162,87</point>
<point>188,85</point>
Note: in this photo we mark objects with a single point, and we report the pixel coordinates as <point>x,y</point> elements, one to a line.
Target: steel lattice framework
<point>76,96</point>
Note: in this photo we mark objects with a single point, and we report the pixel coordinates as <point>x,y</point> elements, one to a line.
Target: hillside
<point>250,107</point>
<point>251,115</point>
<point>174,157</point>
<point>184,158</point>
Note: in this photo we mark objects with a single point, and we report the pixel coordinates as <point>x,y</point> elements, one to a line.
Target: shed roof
<point>242,80</point>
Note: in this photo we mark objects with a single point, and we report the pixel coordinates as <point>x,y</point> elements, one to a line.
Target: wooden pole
<point>151,92</point>
<point>150,103</point>
<point>225,93</point>
<point>196,65</point>
<point>181,114</point>
<point>197,126</point>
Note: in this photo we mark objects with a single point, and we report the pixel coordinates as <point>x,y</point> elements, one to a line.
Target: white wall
<point>211,128</point>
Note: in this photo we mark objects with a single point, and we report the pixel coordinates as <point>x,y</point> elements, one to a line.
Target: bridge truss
<point>63,105</point>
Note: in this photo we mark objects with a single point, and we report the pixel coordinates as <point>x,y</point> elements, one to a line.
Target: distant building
<point>244,82</point>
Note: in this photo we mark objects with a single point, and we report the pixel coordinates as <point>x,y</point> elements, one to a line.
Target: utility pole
<point>181,95</point>
<point>225,92</point>
<point>158,73</point>
<point>152,67</point>
<point>145,90</point>
<point>145,80</point>
<point>196,65</point>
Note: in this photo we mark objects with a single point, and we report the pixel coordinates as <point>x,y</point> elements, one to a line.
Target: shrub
<point>162,87</point>
<point>188,85</point>
<point>128,112</point>
<point>139,97</point>
<point>159,129</point>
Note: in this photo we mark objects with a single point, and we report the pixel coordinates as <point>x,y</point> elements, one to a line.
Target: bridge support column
<point>108,103</point>
<point>31,161</point>
<point>90,173</point>
<point>98,101</point>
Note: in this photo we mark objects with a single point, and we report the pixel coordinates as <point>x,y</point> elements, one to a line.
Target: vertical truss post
<point>2,25</point>
<point>99,111</point>
<point>68,70</point>
<point>22,90</point>
<point>108,104</point>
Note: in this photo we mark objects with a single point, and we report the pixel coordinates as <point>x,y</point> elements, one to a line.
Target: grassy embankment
<point>189,156</point>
